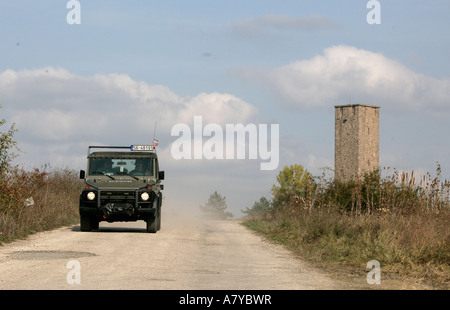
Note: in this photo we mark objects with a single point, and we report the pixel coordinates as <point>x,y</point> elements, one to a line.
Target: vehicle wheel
<point>85,223</point>
<point>94,224</point>
<point>158,226</point>
<point>151,224</point>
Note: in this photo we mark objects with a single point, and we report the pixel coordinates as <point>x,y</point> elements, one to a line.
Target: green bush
<point>7,147</point>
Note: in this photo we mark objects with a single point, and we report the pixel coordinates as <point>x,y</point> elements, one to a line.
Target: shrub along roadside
<point>36,201</point>
<point>397,221</point>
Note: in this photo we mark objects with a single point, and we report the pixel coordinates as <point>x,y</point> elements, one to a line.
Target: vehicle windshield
<point>120,166</point>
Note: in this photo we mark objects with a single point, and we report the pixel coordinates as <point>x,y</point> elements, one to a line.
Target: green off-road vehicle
<point>121,185</point>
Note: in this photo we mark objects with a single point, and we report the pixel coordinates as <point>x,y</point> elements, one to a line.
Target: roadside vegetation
<point>32,201</point>
<point>215,207</point>
<point>37,200</point>
<point>393,217</point>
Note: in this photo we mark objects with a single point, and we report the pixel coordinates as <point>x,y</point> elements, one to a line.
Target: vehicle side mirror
<point>82,174</point>
<point>161,175</point>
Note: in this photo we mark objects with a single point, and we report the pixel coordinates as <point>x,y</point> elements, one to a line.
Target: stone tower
<point>356,140</point>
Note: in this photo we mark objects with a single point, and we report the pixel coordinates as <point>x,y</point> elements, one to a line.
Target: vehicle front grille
<point>117,195</point>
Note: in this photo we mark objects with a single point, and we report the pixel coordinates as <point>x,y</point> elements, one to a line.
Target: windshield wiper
<point>126,173</point>
<point>104,173</point>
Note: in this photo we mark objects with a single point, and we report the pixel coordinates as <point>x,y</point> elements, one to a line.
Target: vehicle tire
<point>158,225</point>
<point>85,223</point>
<point>94,224</point>
<point>158,220</point>
<point>151,224</point>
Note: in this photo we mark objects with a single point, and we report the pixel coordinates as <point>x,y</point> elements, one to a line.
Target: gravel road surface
<point>183,255</point>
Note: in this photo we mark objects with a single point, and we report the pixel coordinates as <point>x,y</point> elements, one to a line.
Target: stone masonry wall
<point>356,140</point>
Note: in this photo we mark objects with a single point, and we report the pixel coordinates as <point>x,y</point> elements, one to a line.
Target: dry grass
<point>37,200</point>
<point>401,221</point>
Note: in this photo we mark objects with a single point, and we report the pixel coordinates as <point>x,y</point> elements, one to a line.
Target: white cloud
<point>58,114</point>
<point>344,73</point>
<point>54,105</point>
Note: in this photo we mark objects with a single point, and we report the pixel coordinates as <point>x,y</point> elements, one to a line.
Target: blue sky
<point>280,62</point>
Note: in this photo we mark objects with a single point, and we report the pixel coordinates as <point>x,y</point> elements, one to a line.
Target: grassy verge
<point>37,201</point>
<point>400,221</point>
<point>413,247</point>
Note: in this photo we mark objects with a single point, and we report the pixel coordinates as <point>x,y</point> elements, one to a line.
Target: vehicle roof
<point>128,154</point>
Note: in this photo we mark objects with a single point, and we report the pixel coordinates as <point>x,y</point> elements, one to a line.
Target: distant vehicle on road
<point>122,183</point>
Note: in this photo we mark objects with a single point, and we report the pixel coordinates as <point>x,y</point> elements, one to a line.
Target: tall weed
<point>32,201</point>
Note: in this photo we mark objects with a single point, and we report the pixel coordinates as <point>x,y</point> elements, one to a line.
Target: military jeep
<point>122,183</point>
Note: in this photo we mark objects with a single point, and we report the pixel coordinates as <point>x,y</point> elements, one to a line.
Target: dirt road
<point>185,254</point>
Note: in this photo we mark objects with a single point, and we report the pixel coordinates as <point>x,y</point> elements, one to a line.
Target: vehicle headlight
<point>145,196</point>
<point>91,196</point>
